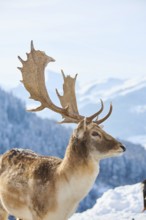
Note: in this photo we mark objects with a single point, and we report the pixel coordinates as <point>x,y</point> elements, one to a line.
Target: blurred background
<point>105,43</point>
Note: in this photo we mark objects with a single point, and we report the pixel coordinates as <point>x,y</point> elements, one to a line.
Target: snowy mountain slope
<point>129,106</point>
<point>128,97</point>
<point>110,88</point>
<point>121,203</point>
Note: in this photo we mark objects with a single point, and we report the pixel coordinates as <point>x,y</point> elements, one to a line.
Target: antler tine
<point>32,45</point>
<point>90,118</point>
<point>63,74</point>
<point>103,119</point>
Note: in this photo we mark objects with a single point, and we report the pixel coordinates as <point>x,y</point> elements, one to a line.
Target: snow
<point>107,90</point>
<point>121,203</point>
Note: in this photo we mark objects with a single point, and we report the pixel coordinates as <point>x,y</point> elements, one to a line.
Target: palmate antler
<point>34,81</point>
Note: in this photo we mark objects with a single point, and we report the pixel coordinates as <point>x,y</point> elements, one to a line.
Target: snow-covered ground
<point>121,203</point>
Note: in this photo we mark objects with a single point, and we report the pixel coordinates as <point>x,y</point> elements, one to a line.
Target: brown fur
<point>27,165</point>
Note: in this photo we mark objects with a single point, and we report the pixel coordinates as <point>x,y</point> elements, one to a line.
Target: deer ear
<point>81,129</point>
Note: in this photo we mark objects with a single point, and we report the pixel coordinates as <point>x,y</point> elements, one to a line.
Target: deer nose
<point>123,147</point>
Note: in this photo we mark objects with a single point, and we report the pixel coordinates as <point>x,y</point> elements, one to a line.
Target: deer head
<point>94,141</point>
<point>88,127</point>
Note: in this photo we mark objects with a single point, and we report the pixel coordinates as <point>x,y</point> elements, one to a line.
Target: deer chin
<point>100,156</point>
<point>116,154</point>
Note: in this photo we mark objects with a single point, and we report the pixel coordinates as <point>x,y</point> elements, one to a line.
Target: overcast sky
<point>95,38</point>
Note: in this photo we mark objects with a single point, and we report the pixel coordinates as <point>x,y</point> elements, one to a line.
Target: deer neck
<point>80,169</point>
<point>78,155</point>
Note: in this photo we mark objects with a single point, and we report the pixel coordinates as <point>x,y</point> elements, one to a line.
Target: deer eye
<point>95,133</point>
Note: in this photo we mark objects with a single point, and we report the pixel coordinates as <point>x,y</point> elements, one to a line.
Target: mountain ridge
<point>126,95</point>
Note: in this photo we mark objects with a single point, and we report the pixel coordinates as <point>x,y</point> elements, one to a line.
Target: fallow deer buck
<point>35,187</point>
